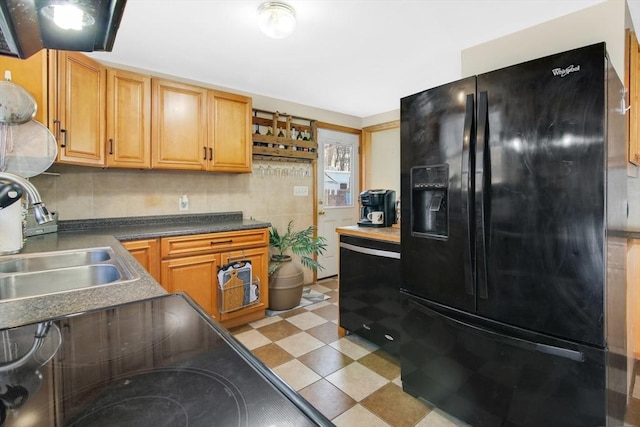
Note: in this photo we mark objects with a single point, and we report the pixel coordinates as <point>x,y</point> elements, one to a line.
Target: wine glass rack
<point>284,136</point>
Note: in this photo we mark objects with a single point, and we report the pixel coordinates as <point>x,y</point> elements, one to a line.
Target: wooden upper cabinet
<point>79,122</point>
<point>229,141</point>
<point>179,130</point>
<point>32,75</point>
<point>128,119</point>
<point>632,82</point>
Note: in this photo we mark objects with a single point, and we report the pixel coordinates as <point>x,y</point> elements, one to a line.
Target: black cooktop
<point>157,362</point>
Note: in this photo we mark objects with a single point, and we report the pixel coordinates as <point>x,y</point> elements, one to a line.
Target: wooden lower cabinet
<point>194,275</point>
<point>147,253</point>
<point>190,264</point>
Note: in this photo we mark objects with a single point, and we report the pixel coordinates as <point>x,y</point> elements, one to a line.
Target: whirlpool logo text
<point>562,72</point>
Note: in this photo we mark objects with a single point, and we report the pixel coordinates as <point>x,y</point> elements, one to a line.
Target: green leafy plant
<point>302,243</point>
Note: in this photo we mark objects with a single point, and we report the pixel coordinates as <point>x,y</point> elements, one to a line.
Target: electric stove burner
<point>166,397</point>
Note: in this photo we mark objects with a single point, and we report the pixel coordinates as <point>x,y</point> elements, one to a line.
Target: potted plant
<point>286,277</point>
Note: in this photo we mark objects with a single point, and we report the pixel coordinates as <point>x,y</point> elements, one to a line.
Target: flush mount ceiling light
<point>276,19</point>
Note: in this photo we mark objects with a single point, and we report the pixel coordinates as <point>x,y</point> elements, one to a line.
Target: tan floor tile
<point>395,407</point>
<point>296,374</point>
<point>319,288</point>
<point>272,355</point>
<point>382,364</point>
<point>330,283</point>
<point>265,321</point>
<point>252,339</point>
<point>279,330</point>
<point>437,418</point>
<point>312,307</point>
<point>240,329</point>
<point>328,311</point>
<point>354,348</point>
<point>358,417</point>
<point>291,313</point>
<point>327,398</point>
<point>327,332</point>
<point>299,344</point>
<point>306,320</point>
<point>356,380</point>
<point>325,360</point>
<point>333,296</point>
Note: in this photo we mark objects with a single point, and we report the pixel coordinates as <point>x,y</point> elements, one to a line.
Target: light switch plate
<point>300,190</point>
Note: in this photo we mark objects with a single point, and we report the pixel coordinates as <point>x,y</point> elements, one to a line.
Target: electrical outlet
<point>183,203</point>
<point>300,190</point>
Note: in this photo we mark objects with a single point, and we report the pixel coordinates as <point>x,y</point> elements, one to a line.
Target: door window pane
<point>338,179</point>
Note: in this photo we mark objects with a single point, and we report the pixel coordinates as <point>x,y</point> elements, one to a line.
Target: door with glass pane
<point>337,191</point>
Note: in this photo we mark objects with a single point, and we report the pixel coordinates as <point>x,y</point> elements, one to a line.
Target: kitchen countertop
<point>387,234</point>
<point>82,234</point>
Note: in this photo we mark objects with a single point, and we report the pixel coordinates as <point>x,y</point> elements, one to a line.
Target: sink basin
<point>53,260</point>
<point>44,273</point>
<point>58,280</point>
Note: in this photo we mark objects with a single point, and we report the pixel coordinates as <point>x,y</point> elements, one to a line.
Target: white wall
<point>384,171</point>
<point>602,22</point>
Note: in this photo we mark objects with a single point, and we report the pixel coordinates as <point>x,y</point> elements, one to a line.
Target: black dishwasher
<point>370,290</point>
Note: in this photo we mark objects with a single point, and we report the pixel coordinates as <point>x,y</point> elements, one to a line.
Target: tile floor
<point>347,378</point>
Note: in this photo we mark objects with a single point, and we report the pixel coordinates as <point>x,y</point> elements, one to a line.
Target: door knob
<point>320,212</point>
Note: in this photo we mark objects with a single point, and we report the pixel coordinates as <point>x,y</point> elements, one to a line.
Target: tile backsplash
<point>78,192</point>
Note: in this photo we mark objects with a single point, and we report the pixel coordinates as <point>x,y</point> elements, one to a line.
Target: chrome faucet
<point>40,211</point>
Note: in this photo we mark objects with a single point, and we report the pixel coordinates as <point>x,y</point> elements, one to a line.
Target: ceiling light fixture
<point>276,19</point>
<point>68,16</point>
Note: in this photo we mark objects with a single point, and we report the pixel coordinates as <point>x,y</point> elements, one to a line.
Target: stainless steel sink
<point>58,280</point>
<point>30,275</point>
<point>53,260</point>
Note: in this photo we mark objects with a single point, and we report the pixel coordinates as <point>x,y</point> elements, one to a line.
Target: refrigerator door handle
<point>467,190</point>
<point>482,193</point>
<point>495,336</point>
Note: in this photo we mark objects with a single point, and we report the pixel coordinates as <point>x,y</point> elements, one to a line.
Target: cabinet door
<point>179,130</point>
<point>80,118</point>
<point>229,132</point>
<point>259,258</point>
<point>128,119</point>
<point>147,253</point>
<point>195,275</point>
<point>31,74</point>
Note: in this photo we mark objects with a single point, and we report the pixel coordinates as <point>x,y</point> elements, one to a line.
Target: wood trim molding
<point>340,128</point>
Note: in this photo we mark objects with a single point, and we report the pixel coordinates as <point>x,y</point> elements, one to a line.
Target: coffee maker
<point>377,201</point>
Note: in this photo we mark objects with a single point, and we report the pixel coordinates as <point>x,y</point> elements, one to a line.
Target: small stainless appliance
<point>377,201</point>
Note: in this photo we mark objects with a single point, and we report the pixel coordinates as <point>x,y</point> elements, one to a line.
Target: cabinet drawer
<point>213,242</point>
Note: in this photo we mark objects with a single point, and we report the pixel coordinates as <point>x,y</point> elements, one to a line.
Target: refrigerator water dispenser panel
<point>429,207</point>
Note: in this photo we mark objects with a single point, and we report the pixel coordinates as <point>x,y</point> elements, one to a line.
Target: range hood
<point>26,27</point>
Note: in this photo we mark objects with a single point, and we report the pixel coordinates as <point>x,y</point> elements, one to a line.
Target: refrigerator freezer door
<point>541,196</point>
<point>490,376</point>
<point>437,130</point>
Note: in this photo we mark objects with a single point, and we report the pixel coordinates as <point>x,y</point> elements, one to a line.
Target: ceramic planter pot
<point>285,284</point>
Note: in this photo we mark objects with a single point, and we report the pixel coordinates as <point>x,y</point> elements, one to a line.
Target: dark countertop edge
<point>86,224</point>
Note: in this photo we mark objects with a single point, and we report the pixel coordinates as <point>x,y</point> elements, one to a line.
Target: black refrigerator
<point>513,189</point>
